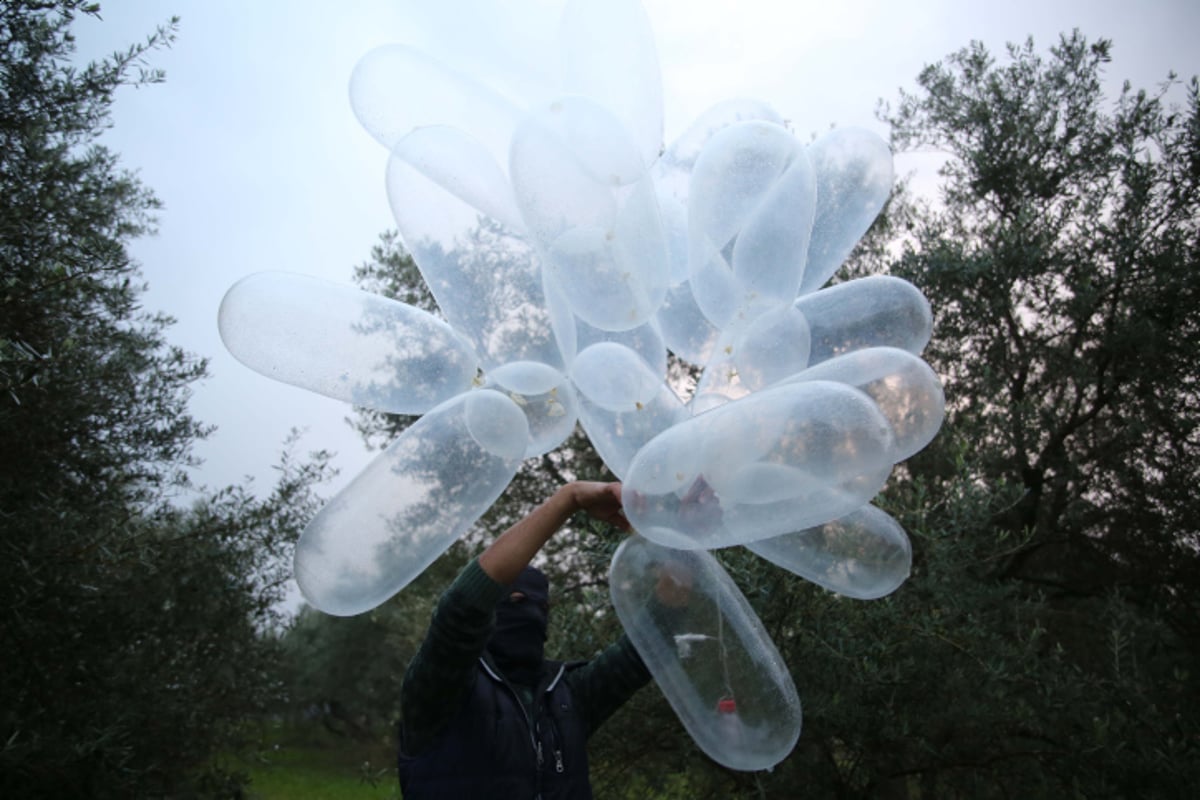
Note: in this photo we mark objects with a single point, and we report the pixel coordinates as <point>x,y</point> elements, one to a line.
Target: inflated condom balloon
<point>589,205</point>
<point>619,435</point>
<point>396,89</point>
<point>867,312</point>
<point>854,175</point>
<point>903,387</point>
<point>461,166</point>
<point>411,503</point>
<point>776,461</point>
<point>672,171</point>
<point>645,340</point>
<point>344,343</point>
<point>546,398</point>
<point>485,278</point>
<point>608,56</point>
<point>878,311</point>
<point>708,653</point>
<point>615,378</point>
<point>750,214</point>
<point>772,347</point>
<point>685,329</point>
<point>865,554</point>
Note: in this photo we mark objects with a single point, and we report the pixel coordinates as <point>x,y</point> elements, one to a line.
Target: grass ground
<point>313,764</point>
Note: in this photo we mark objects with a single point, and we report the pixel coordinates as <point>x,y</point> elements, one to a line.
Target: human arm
<point>515,548</point>
<point>440,676</point>
<point>605,683</point>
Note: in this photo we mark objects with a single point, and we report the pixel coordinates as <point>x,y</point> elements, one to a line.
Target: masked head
<point>518,641</point>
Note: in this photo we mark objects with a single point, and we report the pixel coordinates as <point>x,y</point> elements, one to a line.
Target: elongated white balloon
<point>645,340</point>
<point>772,347</point>
<point>878,311</point>
<point>769,254</point>
<point>486,279</point>
<point>614,377</point>
<point>685,330</point>
<point>571,164</point>
<point>865,554</point>
<point>709,654</point>
<point>464,168</point>
<point>618,435</point>
<point>608,55</point>
<point>854,179</point>
<point>590,207</point>
<point>773,462</point>
<point>545,396</point>
<point>411,503</point>
<point>750,213</point>
<point>396,89</point>
<point>903,386</point>
<point>344,343</point>
<point>673,169</point>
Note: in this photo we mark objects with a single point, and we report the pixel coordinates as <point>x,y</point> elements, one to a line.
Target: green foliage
<point>1062,269</point>
<point>1045,642</point>
<point>132,624</point>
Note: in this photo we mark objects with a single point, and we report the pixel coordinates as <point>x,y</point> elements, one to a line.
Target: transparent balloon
<point>619,435</point>
<point>614,377</point>
<point>878,311</point>
<point>396,89</point>
<point>708,653</point>
<point>591,209</point>
<point>854,176</point>
<point>775,461</point>
<point>345,343</point>
<point>546,398</point>
<point>462,167</point>
<point>609,56</point>
<point>771,347</point>
<point>903,387</point>
<point>750,214</point>
<point>645,340</point>
<point>485,277</point>
<point>411,503</point>
<point>685,329</point>
<point>865,554</point>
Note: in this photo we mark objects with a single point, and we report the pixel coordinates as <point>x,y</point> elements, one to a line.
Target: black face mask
<point>518,641</point>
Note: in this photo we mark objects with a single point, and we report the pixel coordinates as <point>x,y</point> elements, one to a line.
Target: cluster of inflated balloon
<point>568,252</point>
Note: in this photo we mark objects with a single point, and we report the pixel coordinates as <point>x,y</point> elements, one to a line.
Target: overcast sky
<point>259,161</point>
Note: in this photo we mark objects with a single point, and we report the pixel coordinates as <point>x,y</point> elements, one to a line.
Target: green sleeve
<point>603,685</point>
<point>440,676</point>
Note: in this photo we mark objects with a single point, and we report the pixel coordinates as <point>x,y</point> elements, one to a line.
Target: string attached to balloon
<point>568,251</point>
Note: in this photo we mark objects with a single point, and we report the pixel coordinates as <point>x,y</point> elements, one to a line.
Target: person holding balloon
<point>483,712</point>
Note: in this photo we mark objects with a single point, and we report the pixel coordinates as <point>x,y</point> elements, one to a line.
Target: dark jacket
<point>465,731</point>
<point>495,747</point>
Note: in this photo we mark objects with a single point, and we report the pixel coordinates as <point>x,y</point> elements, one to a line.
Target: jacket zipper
<point>534,730</point>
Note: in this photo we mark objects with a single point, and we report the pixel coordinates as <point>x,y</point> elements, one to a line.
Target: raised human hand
<point>600,500</point>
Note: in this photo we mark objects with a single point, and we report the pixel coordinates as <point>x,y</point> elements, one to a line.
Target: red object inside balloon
<point>726,705</point>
